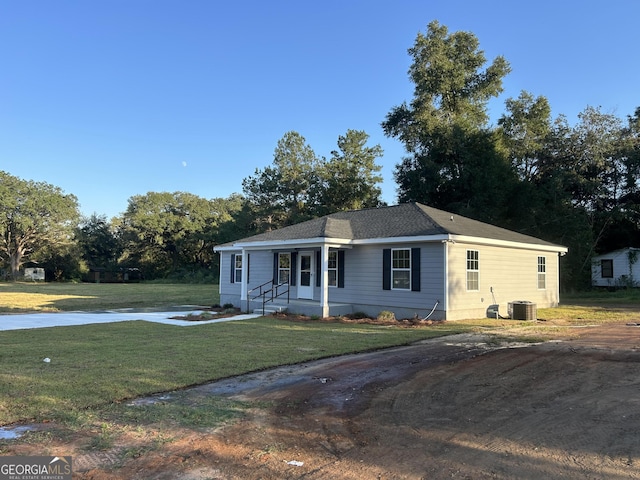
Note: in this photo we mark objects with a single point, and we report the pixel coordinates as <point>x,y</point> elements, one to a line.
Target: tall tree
<point>282,193</point>
<point>164,232</point>
<point>98,242</point>
<point>33,215</point>
<point>524,129</point>
<point>451,154</point>
<point>630,198</point>
<point>574,199</point>
<point>349,180</point>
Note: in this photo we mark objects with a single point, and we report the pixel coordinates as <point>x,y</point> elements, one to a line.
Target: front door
<point>305,275</point>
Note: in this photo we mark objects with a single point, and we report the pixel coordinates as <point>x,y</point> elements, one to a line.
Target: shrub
<point>386,316</point>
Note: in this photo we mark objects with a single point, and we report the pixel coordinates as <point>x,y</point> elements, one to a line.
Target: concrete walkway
<point>65,319</point>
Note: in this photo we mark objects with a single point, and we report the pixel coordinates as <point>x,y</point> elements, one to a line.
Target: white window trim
<point>237,270</point>
<point>472,270</point>
<point>282,269</point>
<point>394,269</point>
<point>333,269</point>
<point>542,274</point>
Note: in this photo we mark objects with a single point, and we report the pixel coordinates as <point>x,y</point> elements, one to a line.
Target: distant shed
<point>620,268</point>
<point>34,274</point>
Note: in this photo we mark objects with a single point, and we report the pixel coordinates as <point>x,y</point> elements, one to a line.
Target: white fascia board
<point>403,240</point>
<point>284,244</point>
<point>461,239</point>
<point>508,244</point>
<point>346,243</point>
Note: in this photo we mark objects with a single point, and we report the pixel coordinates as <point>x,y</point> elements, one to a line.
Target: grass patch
<point>94,365</point>
<point>53,297</point>
<point>207,411</point>
<point>96,369</point>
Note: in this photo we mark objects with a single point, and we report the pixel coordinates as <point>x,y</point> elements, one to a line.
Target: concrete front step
<point>268,310</point>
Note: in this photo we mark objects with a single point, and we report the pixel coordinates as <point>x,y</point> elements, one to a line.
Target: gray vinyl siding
<point>512,274</point>
<point>363,280</point>
<point>261,268</point>
<point>226,287</point>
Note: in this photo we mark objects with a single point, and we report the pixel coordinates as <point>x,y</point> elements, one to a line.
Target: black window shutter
<point>247,267</point>
<point>340,268</point>
<point>386,269</point>
<point>318,268</point>
<point>275,267</point>
<point>233,268</point>
<point>293,274</point>
<point>415,269</point>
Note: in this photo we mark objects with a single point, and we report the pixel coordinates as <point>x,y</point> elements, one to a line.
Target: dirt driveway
<point>455,407</point>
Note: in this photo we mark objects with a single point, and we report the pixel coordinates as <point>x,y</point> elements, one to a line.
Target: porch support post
<point>244,283</point>
<point>324,279</point>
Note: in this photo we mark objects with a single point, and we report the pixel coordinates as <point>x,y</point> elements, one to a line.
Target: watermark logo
<point>35,468</point>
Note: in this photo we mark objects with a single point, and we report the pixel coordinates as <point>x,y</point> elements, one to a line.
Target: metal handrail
<point>273,290</point>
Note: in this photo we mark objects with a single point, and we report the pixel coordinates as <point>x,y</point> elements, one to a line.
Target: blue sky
<point>107,99</point>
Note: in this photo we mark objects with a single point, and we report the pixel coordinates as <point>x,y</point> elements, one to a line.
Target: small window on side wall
<point>542,273</point>
<point>473,270</point>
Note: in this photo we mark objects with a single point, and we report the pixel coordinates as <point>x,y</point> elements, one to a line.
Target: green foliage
<point>281,194</point>
<point>348,181</point>
<point>524,130</point>
<point>299,185</point>
<point>453,162</point>
<point>33,216</point>
<point>98,242</point>
<point>573,185</point>
<point>167,233</point>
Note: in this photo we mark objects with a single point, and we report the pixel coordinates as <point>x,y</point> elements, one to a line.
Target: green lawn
<point>21,297</point>
<point>95,366</point>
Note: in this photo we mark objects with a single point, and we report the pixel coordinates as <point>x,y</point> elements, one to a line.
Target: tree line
<point>576,185</point>
<point>171,235</point>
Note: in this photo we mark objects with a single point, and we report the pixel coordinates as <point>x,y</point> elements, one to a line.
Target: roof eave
<point>279,244</point>
<point>320,241</point>
<point>509,244</point>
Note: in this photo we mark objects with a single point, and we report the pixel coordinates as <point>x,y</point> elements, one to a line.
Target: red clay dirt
<point>454,407</point>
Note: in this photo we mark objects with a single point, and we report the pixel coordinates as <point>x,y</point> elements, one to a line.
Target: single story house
<point>620,268</point>
<point>410,259</point>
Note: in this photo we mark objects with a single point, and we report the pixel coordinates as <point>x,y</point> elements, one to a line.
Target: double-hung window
<point>473,270</point>
<point>237,268</point>
<point>401,268</point>
<point>284,268</point>
<point>542,273</point>
<point>333,268</point>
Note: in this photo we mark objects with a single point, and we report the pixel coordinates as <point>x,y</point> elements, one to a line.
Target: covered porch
<point>300,281</point>
<point>311,308</point>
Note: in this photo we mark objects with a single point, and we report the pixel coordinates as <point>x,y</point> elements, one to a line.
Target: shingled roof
<point>404,220</point>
